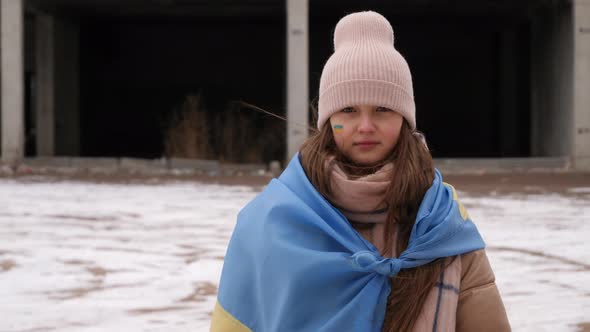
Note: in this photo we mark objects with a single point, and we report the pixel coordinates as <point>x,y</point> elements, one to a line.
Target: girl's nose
<point>367,124</point>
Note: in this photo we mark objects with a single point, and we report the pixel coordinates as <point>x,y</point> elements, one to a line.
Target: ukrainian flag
<point>294,263</point>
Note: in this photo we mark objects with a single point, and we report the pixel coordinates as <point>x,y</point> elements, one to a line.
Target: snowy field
<point>81,256</point>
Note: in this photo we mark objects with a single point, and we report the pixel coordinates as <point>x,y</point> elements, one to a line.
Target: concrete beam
<point>503,165</point>
<point>45,96</point>
<point>297,74</point>
<point>12,80</point>
<point>581,139</point>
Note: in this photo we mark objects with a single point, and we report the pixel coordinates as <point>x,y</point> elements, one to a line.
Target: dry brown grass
<point>249,136</point>
<point>188,134</point>
<point>236,134</point>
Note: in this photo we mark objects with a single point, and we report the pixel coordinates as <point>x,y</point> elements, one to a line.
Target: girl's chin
<point>367,160</point>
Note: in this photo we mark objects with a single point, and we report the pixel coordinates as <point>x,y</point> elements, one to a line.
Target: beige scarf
<point>361,201</point>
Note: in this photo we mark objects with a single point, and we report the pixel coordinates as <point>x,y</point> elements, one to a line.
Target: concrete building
<point>493,78</point>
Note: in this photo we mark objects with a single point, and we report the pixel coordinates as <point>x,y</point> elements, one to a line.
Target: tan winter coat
<point>480,307</point>
<point>467,298</point>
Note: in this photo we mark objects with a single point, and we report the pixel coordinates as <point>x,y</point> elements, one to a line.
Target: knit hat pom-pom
<point>363,27</point>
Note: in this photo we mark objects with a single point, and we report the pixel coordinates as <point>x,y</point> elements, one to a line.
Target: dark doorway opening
<point>470,73</point>
<point>136,74</point>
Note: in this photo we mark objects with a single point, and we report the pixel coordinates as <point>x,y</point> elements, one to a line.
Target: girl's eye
<point>348,110</point>
<point>384,109</point>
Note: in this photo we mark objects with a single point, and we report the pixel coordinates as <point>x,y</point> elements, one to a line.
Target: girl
<point>359,233</point>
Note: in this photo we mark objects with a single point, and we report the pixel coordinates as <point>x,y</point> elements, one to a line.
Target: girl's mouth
<point>366,144</point>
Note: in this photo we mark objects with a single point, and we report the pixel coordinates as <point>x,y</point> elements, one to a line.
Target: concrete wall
<point>581,100</point>
<point>551,82</point>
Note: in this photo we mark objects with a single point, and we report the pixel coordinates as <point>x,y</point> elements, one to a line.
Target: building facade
<point>493,78</point>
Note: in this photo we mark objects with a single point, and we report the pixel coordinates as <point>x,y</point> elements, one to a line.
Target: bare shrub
<point>249,136</point>
<point>187,136</point>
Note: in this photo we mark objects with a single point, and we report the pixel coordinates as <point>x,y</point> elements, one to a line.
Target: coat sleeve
<point>480,306</point>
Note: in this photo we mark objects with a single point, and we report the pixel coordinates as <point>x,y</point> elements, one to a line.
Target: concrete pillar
<point>297,74</point>
<point>12,17</point>
<point>581,78</point>
<point>44,101</point>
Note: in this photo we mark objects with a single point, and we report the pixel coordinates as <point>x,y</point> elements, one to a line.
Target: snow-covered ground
<point>80,256</point>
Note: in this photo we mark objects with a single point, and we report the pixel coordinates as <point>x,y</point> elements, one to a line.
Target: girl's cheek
<point>339,140</point>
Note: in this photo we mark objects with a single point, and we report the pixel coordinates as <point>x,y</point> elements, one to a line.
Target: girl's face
<point>366,134</point>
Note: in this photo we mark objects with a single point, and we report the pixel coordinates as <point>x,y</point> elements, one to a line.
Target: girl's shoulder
<point>480,306</point>
<point>476,270</point>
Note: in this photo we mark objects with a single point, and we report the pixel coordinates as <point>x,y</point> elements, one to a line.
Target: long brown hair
<point>414,173</point>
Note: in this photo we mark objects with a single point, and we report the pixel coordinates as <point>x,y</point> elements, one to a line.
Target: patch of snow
<point>580,190</point>
<point>138,257</point>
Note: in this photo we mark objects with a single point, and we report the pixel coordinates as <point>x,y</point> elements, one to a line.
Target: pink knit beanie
<point>365,69</point>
